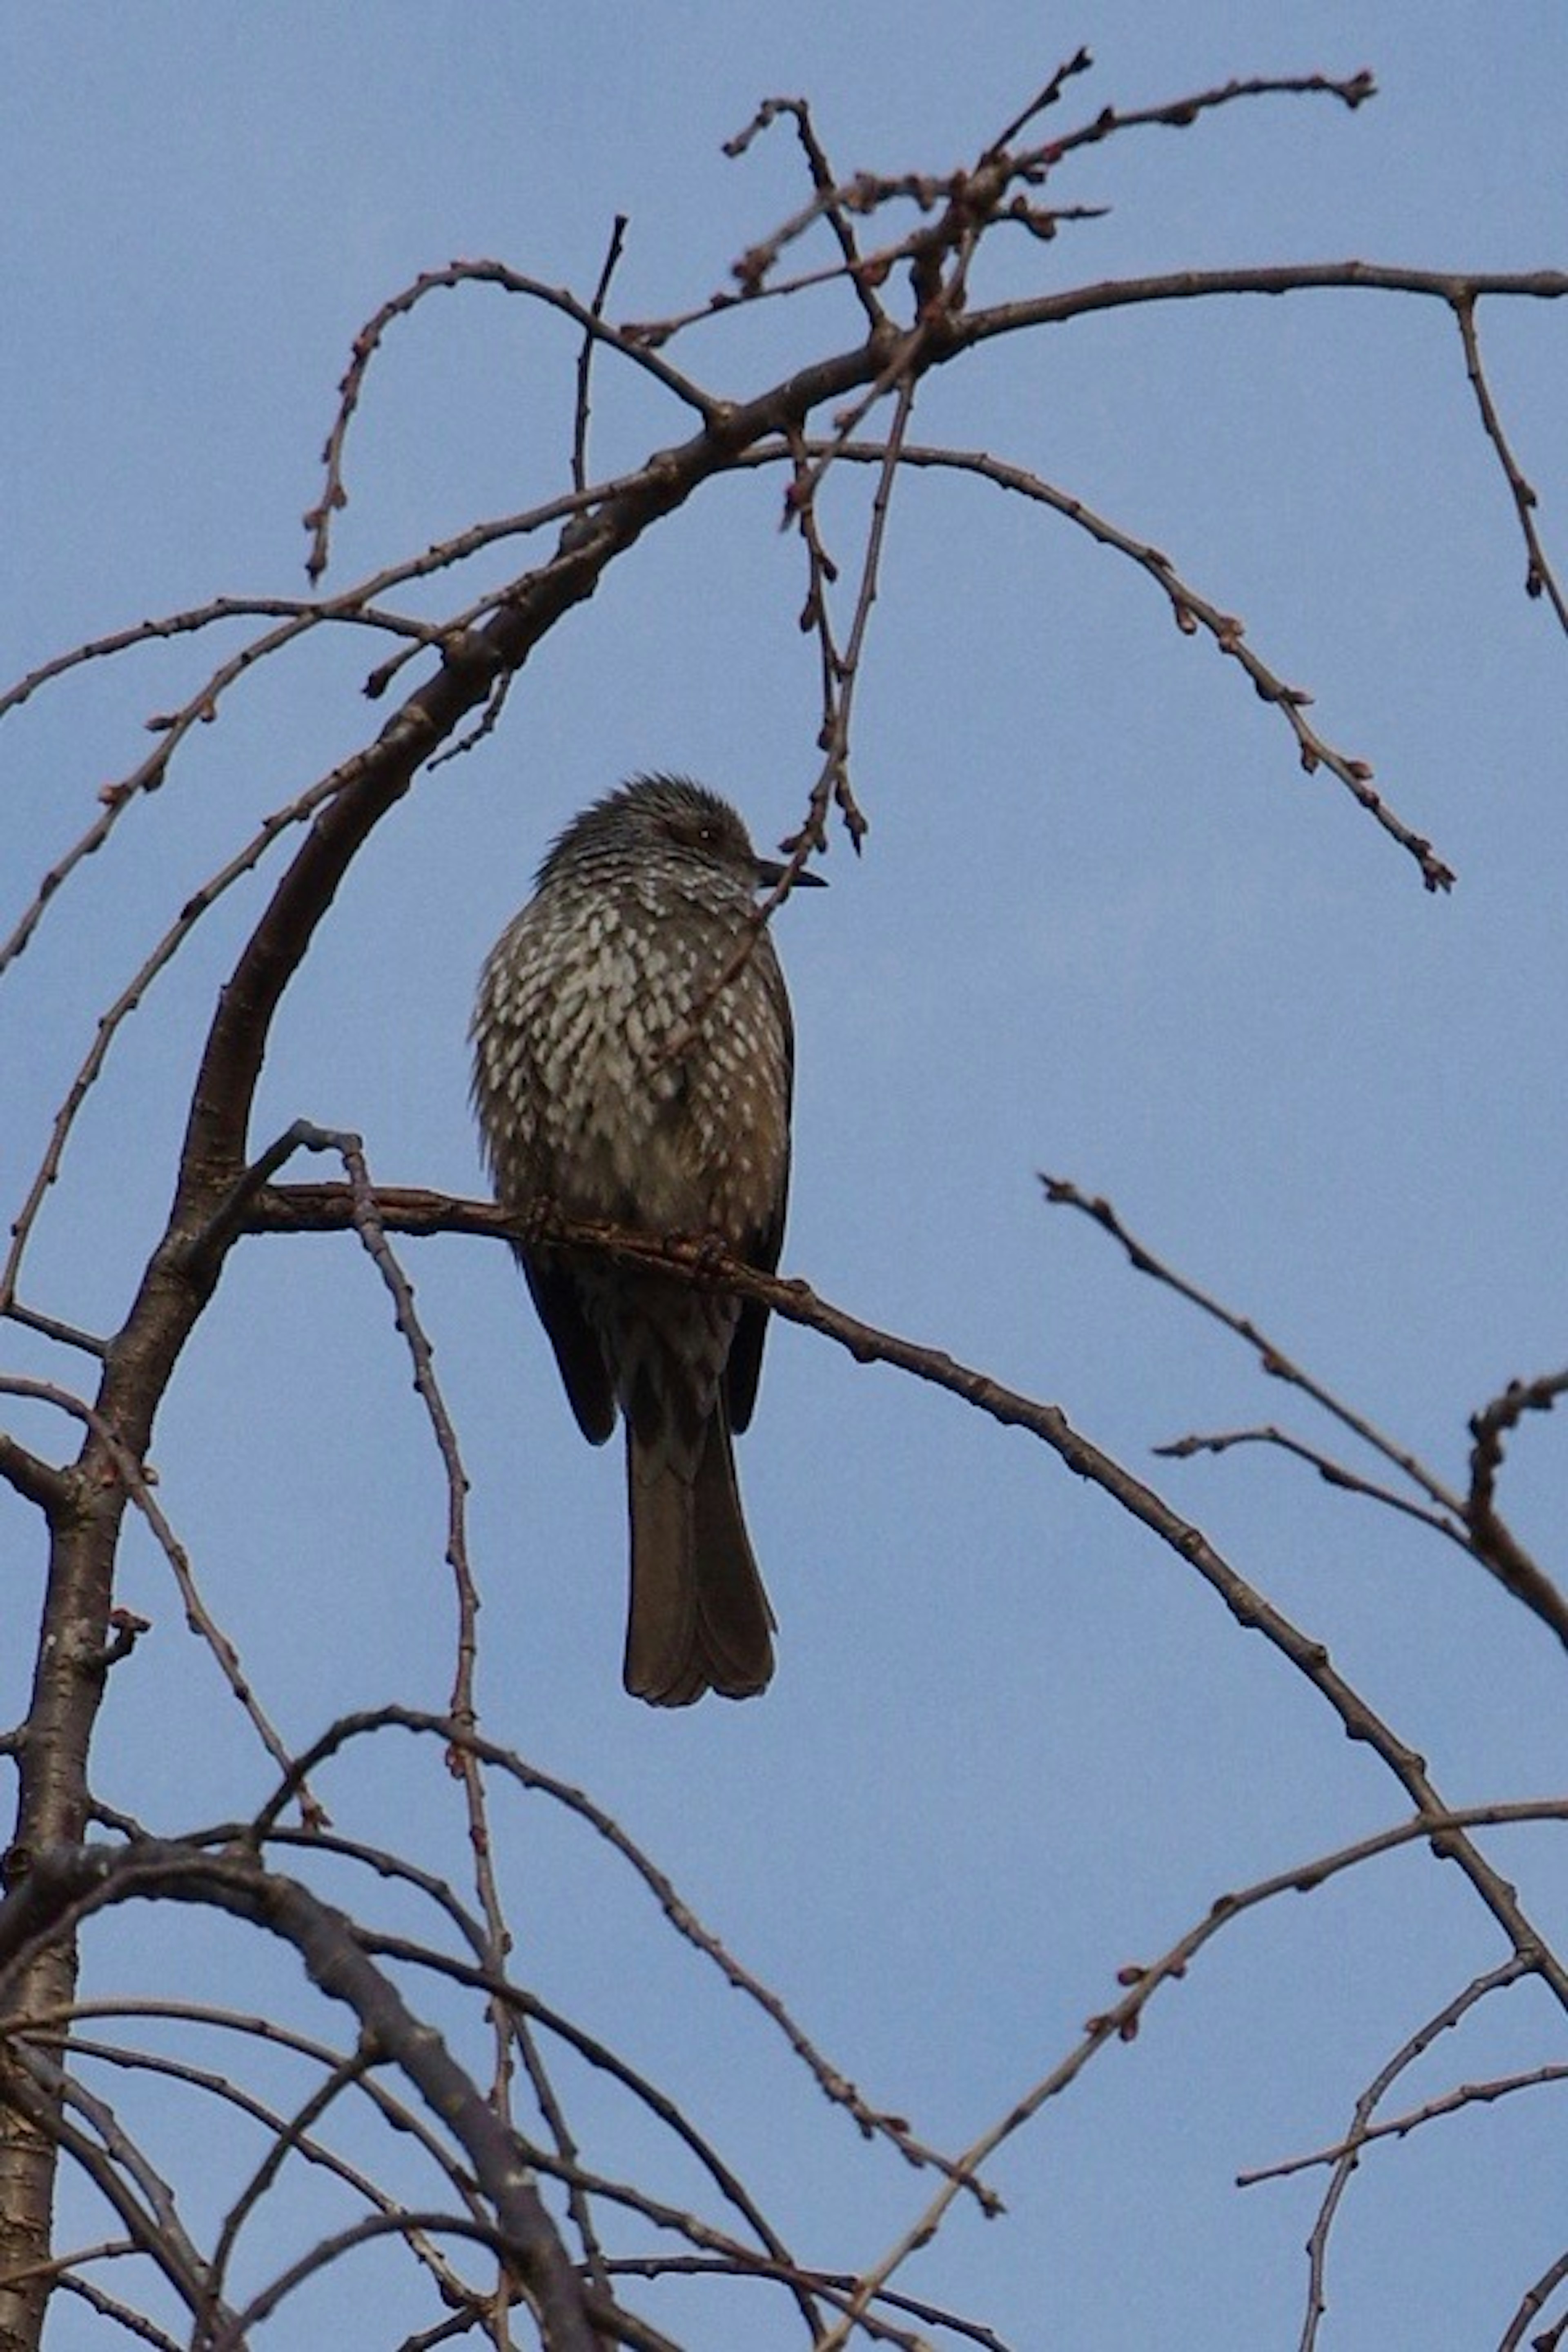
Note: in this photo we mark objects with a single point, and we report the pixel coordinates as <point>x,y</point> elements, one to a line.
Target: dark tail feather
<point>700,1619</point>
<point>734,1621</point>
<point>663,1661</point>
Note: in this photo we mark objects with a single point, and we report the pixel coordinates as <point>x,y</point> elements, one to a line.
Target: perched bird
<point>615,1078</point>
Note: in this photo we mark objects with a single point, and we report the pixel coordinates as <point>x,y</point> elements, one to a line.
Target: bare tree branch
<point>64,1884</point>
<point>902,249</point>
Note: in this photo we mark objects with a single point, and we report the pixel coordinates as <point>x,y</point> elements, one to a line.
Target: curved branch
<point>1193,614</point>
<point>871,2121</point>
<point>595,327</point>
<point>66,1885</point>
<point>324,1207</point>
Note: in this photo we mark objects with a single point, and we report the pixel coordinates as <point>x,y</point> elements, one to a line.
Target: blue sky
<point>1103,925</point>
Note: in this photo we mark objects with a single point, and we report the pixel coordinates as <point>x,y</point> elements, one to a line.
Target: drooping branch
<point>1540,577</point>
<point>69,1885</point>
<point>318,1207</point>
<point>871,2121</point>
<point>810,419</point>
<point>1470,1520</point>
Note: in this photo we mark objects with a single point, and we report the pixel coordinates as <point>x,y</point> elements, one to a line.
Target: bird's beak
<point>770,873</point>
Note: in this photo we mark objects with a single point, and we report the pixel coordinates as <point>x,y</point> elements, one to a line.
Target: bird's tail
<point>700,1618</point>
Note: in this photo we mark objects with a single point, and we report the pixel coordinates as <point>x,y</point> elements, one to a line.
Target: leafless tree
<point>486,2186</point>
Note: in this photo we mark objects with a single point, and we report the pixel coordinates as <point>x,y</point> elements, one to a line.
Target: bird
<point>628,1069</point>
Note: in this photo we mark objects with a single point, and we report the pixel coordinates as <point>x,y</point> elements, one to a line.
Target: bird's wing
<point>583,1373</point>
<point>746,1351</point>
<point>762,1248</point>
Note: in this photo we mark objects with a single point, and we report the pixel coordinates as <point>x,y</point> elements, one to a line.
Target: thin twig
<point>841,670</point>
<point>699,1262</point>
<point>225,2088</point>
<point>496,1944</point>
<point>1471,1522</point>
<point>1536,2296</point>
<point>866,193</point>
<point>585,356</point>
<point>51,1326</point>
<point>1194,614</point>
<point>199,709</point>
<point>1447,2103</point>
<point>108,2306</point>
<point>1333,1472</point>
<point>1414,2047</point>
<point>827,203</point>
<point>36,1480</point>
<point>399,2117</point>
<point>290,2133</point>
<point>109,1021</point>
<point>134,1479</point>
<point>834,2085</point>
<point>166,2246</point>
<point>1539,579</point>
<point>367,342</point>
<point>1062,1192</point>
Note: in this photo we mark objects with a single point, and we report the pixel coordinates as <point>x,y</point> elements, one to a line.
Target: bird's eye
<point>707,838</point>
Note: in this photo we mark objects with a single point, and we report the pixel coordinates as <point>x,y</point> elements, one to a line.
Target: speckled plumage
<point>637,908</point>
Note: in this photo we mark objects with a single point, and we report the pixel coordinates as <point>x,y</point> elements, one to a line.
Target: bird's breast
<point>636,1100</point>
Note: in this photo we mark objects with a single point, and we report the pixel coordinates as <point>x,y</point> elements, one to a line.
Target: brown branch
<point>1413,2048</point>
<point>1492,1541</point>
<point>224,2088</point>
<point>134,2324</point>
<point>1483,1536</point>
<point>1351,90</point>
<point>834,2085</point>
<point>1451,286</point>
<point>1061,1192</point>
<point>66,1884</point>
<point>192,619</point>
<point>827,203</point>
<point>1471,1522</point>
<point>1539,579</point>
<point>1121,2023</point>
<point>1489,1426</point>
<point>1193,614</point>
<point>1537,2295</point>
<point>841,670</point>
<point>51,1326</point>
<point>834,213</point>
<point>42,2111</point>
<point>585,356</point>
<point>840,2284</point>
<point>314,1209</point>
<point>36,1480</point>
<point>1333,1472</point>
<point>399,2222</point>
<point>367,342</point>
<point>1050,95</point>
<point>1447,2103</point>
<point>983,194</point>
